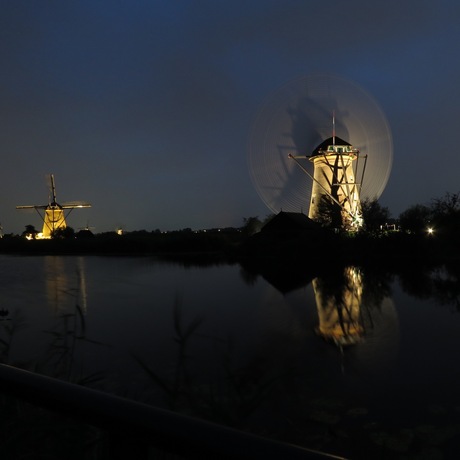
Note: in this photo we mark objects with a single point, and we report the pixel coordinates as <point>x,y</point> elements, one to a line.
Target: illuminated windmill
<point>335,164</point>
<point>54,214</point>
<point>295,123</point>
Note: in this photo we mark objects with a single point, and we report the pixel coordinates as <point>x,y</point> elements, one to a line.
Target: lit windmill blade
<point>75,204</point>
<point>44,206</point>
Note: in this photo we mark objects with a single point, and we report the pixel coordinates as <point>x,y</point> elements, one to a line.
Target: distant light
<point>430,230</point>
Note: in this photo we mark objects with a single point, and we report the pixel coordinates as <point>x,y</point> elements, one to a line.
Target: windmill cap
<point>326,143</point>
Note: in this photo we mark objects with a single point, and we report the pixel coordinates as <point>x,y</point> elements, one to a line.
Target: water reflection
<point>60,282</point>
<point>57,282</point>
<point>244,350</point>
<point>353,305</point>
<point>441,283</point>
<point>82,293</point>
<point>356,313</point>
<point>338,300</point>
<point>63,356</point>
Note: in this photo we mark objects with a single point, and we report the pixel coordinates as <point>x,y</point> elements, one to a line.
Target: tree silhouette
<point>30,232</point>
<point>415,219</point>
<point>251,225</point>
<point>63,233</point>
<point>329,213</point>
<point>446,214</point>
<point>374,215</point>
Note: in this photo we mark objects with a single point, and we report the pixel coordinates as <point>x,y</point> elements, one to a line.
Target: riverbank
<point>320,249</point>
<point>171,244</point>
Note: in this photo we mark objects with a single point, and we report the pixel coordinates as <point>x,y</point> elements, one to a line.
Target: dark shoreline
<point>290,251</point>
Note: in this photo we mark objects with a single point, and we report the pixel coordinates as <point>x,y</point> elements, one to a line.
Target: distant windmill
<point>87,228</point>
<point>54,215</point>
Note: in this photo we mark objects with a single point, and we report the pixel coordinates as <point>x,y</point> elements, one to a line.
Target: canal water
<point>358,364</point>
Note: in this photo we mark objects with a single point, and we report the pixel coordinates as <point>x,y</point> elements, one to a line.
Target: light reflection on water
<point>276,361</point>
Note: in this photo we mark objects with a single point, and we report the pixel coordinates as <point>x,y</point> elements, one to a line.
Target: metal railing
<point>136,424</point>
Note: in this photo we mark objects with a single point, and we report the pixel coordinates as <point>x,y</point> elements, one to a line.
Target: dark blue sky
<point>144,108</point>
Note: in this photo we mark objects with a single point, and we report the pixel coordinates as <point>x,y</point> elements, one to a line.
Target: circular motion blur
<point>320,134</point>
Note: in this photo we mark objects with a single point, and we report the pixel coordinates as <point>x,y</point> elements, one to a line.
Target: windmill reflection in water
<point>338,300</point>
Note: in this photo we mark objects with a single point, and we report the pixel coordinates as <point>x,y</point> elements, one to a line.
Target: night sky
<point>145,108</point>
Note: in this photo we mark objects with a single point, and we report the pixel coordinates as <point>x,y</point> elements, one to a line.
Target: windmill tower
<point>54,214</point>
<point>334,181</point>
<point>335,190</point>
